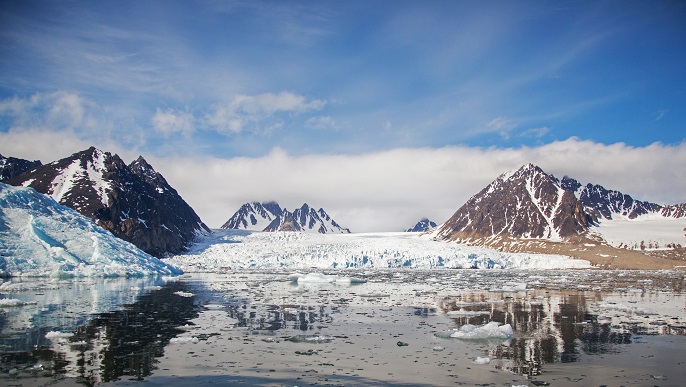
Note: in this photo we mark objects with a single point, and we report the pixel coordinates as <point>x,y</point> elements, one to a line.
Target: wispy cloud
<point>660,114</point>
<point>246,110</point>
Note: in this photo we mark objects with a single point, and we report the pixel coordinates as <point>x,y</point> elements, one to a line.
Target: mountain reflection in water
<point>113,344</point>
<point>552,323</point>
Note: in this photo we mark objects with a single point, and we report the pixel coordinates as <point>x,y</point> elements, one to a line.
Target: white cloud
<point>391,190</point>
<point>244,110</point>
<point>173,121</point>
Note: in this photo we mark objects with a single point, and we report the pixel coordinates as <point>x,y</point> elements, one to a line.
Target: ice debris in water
<point>467,313</point>
<point>183,340</point>
<point>482,360</point>
<point>323,278</point>
<point>492,330</point>
<point>310,339</point>
<point>58,336</point>
<point>184,294</point>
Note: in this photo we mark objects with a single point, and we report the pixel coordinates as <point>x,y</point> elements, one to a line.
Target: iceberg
<point>42,238</point>
<point>492,330</point>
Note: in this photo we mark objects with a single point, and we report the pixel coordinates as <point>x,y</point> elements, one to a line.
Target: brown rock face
<point>525,204</point>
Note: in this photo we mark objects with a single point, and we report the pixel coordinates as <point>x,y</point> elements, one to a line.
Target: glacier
<point>226,250</point>
<point>40,237</point>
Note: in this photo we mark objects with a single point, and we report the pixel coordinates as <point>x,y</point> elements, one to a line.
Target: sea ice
<point>492,330</point>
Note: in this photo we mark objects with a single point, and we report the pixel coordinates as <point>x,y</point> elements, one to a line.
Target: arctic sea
<point>408,327</point>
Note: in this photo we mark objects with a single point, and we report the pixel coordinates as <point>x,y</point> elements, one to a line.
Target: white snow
<point>653,231</point>
<point>39,237</point>
<point>237,249</point>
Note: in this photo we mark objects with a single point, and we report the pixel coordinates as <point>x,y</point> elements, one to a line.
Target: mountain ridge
<point>528,207</point>
<point>132,201</point>
<point>270,217</point>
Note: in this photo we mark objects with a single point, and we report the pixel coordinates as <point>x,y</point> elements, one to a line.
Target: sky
<point>380,112</point>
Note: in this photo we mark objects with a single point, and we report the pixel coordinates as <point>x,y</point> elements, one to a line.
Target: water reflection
<point>562,326</point>
<point>110,345</point>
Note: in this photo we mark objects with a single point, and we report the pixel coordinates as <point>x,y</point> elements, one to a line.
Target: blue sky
<point>243,79</point>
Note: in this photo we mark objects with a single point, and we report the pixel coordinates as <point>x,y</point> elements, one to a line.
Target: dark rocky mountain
<point>12,166</point>
<point>604,203</point>
<point>421,226</point>
<point>271,217</point>
<point>133,201</point>
<point>254,216</point>
<point>521,210</point>
<point>527,203</point>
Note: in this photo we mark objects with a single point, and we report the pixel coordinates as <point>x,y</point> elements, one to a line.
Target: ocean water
<point>382,327</point>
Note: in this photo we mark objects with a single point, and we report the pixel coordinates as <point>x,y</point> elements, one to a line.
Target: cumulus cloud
<point>392,190</point>
<point>59,109</point>
<point>173,121</point>
<point>244,110</point>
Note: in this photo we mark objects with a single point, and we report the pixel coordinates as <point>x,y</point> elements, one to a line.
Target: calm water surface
<point>578,328</point>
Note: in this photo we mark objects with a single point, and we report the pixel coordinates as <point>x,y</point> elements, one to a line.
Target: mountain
<point>271,217</point>
<point>133,201</point>
<point>525,209</point>
<point>254,216</point>
<point>527,203</point>
<point>421,226</point>
<point>12,166</point>
<point>40,237</point>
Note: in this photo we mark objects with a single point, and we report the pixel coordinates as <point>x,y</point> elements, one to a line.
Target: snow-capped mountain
<point>40,237</point>
<point>133,201</point>
<point>528,204</point>
<point>12,166</point>
<point>271,217</point>
<point>254,216</point>
<point>421,226</point>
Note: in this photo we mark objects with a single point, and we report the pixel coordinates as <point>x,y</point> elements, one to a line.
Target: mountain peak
<point>423,225</point>
<point>270,216</point>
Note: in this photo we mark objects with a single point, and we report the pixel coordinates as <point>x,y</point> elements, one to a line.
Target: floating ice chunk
<point>310,339</point>
<point>323,278</point>
<point>464,313</point>
<point>184,294</point>
<point>12,302</point>
<point>482,360</point>
<point>58,336</point>
<point>183,340</point>
<point>492,330</point>
<point>438,349</point>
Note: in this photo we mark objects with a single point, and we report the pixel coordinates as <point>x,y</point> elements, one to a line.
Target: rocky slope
<point>133,201</point>
<point>12,166</point>
<point>530,211</point>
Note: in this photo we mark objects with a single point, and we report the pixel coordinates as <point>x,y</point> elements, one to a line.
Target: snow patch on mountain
<point>236,249</point>
<point>646,232</point>
<point>40,237</point>
<point>270,216</point>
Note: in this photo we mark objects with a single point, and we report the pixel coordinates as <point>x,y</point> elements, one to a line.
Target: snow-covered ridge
<point>233,249</point>
<point>40,237</point>
<point>270,216</point>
